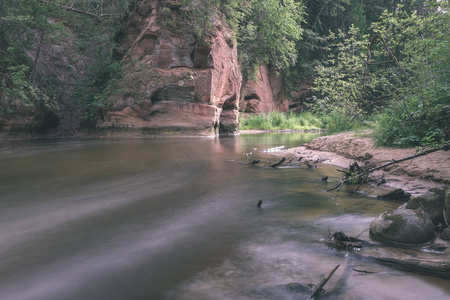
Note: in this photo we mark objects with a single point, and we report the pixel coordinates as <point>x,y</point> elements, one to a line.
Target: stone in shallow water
<point>403,225</point>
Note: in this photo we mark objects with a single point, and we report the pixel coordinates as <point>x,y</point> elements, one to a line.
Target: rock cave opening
<point>49,121</point>
<point>251,96</point>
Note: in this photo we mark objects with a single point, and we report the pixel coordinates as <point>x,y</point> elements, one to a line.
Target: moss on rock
<point>403,226</point>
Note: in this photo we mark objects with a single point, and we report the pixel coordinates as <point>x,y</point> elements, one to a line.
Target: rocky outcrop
<point>175,81</point>
<point>265,94</point>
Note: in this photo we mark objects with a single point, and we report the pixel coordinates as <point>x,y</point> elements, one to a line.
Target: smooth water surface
<point>177,219</point>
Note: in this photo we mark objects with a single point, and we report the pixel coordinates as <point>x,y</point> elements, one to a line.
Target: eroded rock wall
<point>265,94</point>
<point>175,81</point>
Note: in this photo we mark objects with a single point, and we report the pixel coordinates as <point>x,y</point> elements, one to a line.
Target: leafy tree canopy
<point>403,70</point>
<point>267,33</point>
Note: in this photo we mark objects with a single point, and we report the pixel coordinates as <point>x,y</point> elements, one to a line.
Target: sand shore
<point>415,176</point>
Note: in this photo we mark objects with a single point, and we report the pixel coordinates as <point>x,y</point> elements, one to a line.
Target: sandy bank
<point>415,176</point>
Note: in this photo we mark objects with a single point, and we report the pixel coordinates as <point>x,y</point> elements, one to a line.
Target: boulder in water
<point>409,226</point>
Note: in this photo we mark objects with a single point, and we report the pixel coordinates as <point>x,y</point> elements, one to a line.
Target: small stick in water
<point>322,283</point>
<point>259,203</point>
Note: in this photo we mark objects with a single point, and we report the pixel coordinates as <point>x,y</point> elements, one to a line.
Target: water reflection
<point>176,219</point>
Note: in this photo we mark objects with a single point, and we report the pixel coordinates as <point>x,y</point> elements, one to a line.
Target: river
<point>176,218</point>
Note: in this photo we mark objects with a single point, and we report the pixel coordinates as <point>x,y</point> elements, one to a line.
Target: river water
<point>177,219</point>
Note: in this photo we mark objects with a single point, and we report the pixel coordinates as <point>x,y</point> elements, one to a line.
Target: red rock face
<point>266,94</point>
<point>174,81</point>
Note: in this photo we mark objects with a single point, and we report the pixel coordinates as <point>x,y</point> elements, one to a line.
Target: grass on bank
<point>305,121</point>
<point>280,121</point>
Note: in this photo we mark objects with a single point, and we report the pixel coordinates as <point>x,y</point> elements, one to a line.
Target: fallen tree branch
<point>347,177</point>
<point>277,163</point>
<point>438,268</point>
<point>316,290</point>
<point>444,147</point>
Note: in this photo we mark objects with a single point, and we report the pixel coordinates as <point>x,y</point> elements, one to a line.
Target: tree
<point>267,33</point>
<point>342,85</point>
<point>419,113</point>
<point>24,26</point>
<point>403,69</point>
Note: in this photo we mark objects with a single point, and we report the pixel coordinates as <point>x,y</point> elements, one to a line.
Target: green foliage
<point>336,122</point>
<point>403,71</point>
<point>96,40</point>
<point>267,33</point>
<point>100,82</point>
<point>342,85</point>
<point>280,121</point>
<point>419,113</point>
<point>200,13</point>
<point>26,25</point>
<point>23,25</point>
<point>397,127</point>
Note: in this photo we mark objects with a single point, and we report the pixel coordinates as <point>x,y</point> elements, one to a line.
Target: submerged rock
<point>403,226</point>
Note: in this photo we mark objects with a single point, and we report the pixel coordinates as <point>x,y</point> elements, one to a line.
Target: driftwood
<point>431,267</point>
<point>353,174</point>
<point>277,163</point>
<point>341,240</point>
<point>316,290</point>
<point>255,162</point>
<point>427,267</point>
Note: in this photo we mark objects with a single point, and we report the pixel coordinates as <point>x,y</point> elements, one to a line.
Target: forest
<point>383,64</point>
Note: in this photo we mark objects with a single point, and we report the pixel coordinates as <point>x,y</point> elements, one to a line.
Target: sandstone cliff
<point>175,81</point>
<point>265,94</point>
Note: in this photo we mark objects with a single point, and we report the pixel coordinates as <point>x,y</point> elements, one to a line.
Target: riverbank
<point>415,176</point>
